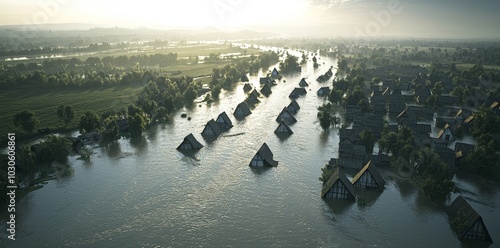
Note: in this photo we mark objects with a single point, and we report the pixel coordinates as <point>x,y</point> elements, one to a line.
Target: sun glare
<point>194,13</point>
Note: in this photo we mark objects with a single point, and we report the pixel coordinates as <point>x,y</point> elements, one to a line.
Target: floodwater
<point>144,193</point>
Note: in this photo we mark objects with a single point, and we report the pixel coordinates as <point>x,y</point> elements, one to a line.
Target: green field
<point>44,103</point>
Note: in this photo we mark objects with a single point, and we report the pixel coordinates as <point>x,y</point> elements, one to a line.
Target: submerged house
<point>303,83</point>
<point>224,121</point>
<point>473,227</point>
<point>323,91</point>
<point>263,157</point>
<point>266,90</point>
<point>293,107</point>
<point>296,92</point>
<point>369,178</point>
<point>275,73</point>
<point>446,133</point>
<point>286,116</point>
<point>283,129</point>
<point>267,80</point>
<point>190,143</point>
<point>338,187</point>
<point>212,129</point>
<point>253,97</point>
<point>247,87</point>
<point>242,110</point>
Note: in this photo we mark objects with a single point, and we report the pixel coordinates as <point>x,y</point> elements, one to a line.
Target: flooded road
<point>144,193</point>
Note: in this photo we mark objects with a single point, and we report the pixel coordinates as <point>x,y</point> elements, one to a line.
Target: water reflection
<point>426,208</point>
<point>406,190</point>
<point>338,207</point>
<point>369,197</point>
<point>259,171</point>
<point>112,150</point>
<point>140,144</point>
<point>472,183</point>
<point>282,137</point>
<point>474,244</point>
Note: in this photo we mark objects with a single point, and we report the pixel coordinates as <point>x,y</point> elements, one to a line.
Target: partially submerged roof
<point>212,129</point>
<point>293,107</point>
<point>266,90</point>
<point>266,155</point>
<point>303,83</point>
<point>447,126</point>
<point>283,128</point>
<point>461,206</point>
<point>242,110</point>
<point>286,116</point>
<point>224,121</point>
<point>337,175</point>
<point>323,91</point>
<point>372,170</point>
<point>190,143</point>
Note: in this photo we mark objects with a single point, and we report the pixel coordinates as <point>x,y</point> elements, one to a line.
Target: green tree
<point>324,116</point>
<point>65,113</point>
<point>26,158</point>
<point>326,171</point>
<point>290,64</point>
<point>53,149</point>
<point>137,124</point>
<point>26,119</point>
<point>110,130</point>
<point>437,89</point>
<point>88,122</point>
<point>367,139</point>
<point>437,184</point>
<point>190,95</point>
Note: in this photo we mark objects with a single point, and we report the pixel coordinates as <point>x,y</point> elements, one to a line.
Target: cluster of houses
<point>337,186</point>
<point>400,104</point>
<point>441,130</point>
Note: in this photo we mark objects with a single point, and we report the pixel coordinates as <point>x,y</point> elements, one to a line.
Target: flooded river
<point>144,193</point>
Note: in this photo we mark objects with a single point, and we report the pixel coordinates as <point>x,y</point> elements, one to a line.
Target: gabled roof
<point>284,126</point>
<point>247,87</point>
<point>296,92</point>
<point>372,169</point>
<point>493,105</point>
<point>337,175</point>
<point>275,71</point>
<point>224,120</point>
<point>303,83</point>
<point>254,96</point>
<point>213,126</point>
<point>191,140</point>
<point>323,91</point>
<point>447,126</point>
<point>469,119</point>
<point>461,206</point>
<point>293,107</point>
<point>463,148</point>
<point>244,108</point>
<point>266,155</point>
<point>265,90</point>
<point>300,91</point>
<point>290,119</point>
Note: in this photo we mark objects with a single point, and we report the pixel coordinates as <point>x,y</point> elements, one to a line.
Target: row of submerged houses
<point>214,128</point>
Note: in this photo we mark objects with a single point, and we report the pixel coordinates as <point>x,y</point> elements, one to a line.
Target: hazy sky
<point>479,18</point>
